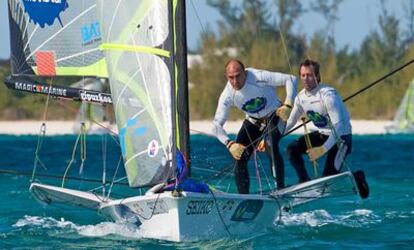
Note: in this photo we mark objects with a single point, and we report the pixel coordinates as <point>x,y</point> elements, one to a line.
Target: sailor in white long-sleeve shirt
<point>324,107</point>
<point>253,92</point>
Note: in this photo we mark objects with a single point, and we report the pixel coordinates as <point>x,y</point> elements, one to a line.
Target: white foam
<point>318,218</point>
<point>98,230</point>
<point>314,218</point>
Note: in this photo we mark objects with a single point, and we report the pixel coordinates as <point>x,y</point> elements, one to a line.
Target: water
<point>385,220</point>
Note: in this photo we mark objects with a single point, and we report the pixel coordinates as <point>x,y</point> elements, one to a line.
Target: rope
<point>220,215</point>
<point>309,146</point>
<point>37,160</point>
<point>82,147</point>
<point>7,171</point>
<point>41,136</point>
<point>72,158</point>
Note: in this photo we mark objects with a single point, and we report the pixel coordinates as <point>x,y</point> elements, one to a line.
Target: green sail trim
<point>142,49</point>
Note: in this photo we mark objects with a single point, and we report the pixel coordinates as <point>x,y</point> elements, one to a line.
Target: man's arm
<point>277,79</point>
<point>297,111</point>
<point>333,104</point>
<point>222,113</point>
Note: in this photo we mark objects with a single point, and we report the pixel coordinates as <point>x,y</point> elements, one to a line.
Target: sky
<point>357,19</point>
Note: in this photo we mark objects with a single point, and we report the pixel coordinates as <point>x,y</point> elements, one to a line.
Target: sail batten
<point>142,49</point>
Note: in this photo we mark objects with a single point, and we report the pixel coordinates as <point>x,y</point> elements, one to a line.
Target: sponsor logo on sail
<point>44,12</point>
<point>247,210</point>
<point>88,96</point>
<point>153,148</point>
<point>199,207</point>
<point>91,33</point>
<point>37,88</point>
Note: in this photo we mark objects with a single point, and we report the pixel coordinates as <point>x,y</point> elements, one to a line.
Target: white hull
<point>197,216</point>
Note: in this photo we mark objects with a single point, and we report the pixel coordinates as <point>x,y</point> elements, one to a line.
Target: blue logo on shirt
<point>319,120</point>
<point>43,12</point>
<point>254,105</point>
<point>90,33</point>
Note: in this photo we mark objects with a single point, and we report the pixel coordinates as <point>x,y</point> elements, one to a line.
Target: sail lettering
<point>95,97</point>
<point>36,88</point>
<point>91,33</point>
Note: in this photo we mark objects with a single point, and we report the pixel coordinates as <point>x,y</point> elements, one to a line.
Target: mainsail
<point>55,38</point>
<point>147,70</point>
<point>404,118</point>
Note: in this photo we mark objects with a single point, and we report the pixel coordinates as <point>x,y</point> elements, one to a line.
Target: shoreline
<point>32,127</point>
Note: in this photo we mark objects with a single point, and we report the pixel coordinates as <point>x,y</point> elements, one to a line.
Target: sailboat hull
<point>195,216</point>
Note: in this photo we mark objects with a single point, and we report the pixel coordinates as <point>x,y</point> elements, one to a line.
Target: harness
<point>261,122</point>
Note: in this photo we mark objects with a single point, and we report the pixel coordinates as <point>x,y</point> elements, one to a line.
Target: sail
<point>55,38</point>
<point>145,53</point>
<point>404,118</point>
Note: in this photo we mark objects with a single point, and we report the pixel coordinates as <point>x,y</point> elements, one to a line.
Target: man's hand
<point>236,149</point>
<point>284,111</point>
<point>316,152</point>
<point>261,147</point>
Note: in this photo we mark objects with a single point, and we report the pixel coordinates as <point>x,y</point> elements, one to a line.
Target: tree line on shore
<point>247,33</point>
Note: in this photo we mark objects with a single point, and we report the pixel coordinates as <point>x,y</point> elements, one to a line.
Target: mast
<point>181,79</point>
<point>174,87</point>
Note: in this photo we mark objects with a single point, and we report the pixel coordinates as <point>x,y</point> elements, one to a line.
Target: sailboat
<point>403,121</point>
<point>144,43</point>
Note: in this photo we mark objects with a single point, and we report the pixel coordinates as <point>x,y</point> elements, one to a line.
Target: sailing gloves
<point>316,152</point>
<point>284,111</point>
<point>236,149</point>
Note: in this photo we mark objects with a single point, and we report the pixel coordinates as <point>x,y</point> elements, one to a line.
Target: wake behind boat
<point>144,44</point>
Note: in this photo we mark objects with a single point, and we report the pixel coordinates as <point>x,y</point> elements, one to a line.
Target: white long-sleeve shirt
<point>319,105</point>
<point>256,99</point>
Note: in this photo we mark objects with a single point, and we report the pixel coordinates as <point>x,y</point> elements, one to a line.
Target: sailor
<point>324,107</point>
<point>253,92</point>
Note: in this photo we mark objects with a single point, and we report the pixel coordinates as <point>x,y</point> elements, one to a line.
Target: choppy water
<point>384,221</point>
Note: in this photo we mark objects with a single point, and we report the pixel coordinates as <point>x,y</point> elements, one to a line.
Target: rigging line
<point>198,17</point>
<point>38,147</point>
<point>218,211</point>
<point>72,158</point>
<point>14,172</point>
<point>203,133</point>
<point>220,172</point>
<point>112,133</point>
<point>62,29</point>
<point>42,134</point>
<point>364,89</point>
